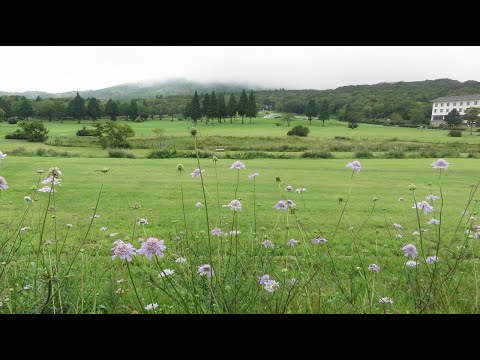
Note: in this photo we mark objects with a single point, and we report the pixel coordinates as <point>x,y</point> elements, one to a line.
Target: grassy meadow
<point>49,267</point>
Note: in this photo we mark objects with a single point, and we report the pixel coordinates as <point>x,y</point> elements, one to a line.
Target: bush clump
<point>299,130</point>
<point>364,154</point>
<point>455,133</point>
<point>317,155</point>
<point>120,154</point>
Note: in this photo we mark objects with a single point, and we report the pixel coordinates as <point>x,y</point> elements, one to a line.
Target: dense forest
<point>401,102</point>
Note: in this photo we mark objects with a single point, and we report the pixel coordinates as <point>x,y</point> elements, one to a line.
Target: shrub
<point>162,154</point>
<point>17,134</point>
<point>395,154</point>
<point>120,154</point>
<point>352,125</point>
<point>317,154</point>
<point>364,154</point>
<point>34,131</point>
<point>12,121</point>
<point>299,130</point>
<point>41,152</point>
<point>342,138</point>
<point>87,132</point>
<point>455,133</point>
<point>472,155</point>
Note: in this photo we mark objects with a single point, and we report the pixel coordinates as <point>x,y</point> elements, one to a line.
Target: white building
<point>443,105</point>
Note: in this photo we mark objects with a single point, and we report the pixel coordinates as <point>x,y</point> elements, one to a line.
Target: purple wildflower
<point>292,242</point>
<point>374,268</point>
<point>198,204</point>
<point>238,165</point>
<point>415,233</point>
<point>196,173</point>
<point>254,175</point>
<point>355,165</point>
<point>50,180</point>
<point>431,259</point>
<point>235,205</point>
<point>434,222</point>
<point>2,155</point>
<point>397,226</point>
<point>289,188</point>
<point>123,251</point>
<point>167,272</point>
<point>3,183</point>
<point>152,246</point>
<point>431,197</point>
<point>410,249</point>
<point>271,285</point>
<point>263,279</point>
<point>318,240</point>
<point>180,260</point>
<point>151,306</point>
<point>423,205</point>
<point>386,300</point>
<point>281,205</point>
<point>440,164</point>
<point>300,190</point>
<point>206,270</point>
<point>267,244</point>
<point>45,189</point>
<point>411,263</point>
<point>216,232</point>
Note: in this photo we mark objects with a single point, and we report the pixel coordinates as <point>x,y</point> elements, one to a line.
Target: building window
<point>435,110</point>
<point>461,109</point>
<point>441,110</point>
<point>448,104</point>
<point>454,104</point>
<point>441,104</point>
<point>475,102</point>
<point>436,104</point>
<point>468,102</point>
<point>461,103</point>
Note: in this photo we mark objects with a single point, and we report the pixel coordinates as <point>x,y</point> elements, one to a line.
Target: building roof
<point>457,98</point>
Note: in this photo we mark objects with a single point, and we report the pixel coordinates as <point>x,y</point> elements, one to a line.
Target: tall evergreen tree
<point>76,107</point>
<point>324,113</point>
<point>251,106</point>
<point>195,110</point>
<point>93,108</point>
<point>25,110</point>
<point>231,107</point>
<point>311,109</point>
<point>222,107</point>
<point>206,107</point>
<point>111,109</point>
<point>132,110</point>
<point>213,106</point>
<point>242,104</point>
<point>38,98</point>
<point>5,105</point>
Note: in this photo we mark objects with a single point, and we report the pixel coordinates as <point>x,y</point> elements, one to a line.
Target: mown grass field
<point>61,270</point>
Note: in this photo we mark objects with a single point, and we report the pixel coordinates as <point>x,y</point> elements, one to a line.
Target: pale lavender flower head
<point>292,242</point>
<point>398,236</point>
<point>415,233</point>
<point>263,279</point>
<point>3,183</point>
<point>374,268</point>
<point>45,189</point>
<point>268,244</point>
<point>397,226</point>
<point>54,172</point>
<point>235,205</point>
<point>151,306</point>
<point>318,240</point>
<point>196,173</point>
<point>50,180</point>
<point>431,259</point>
<point>142,221</point>
<point>103,228</point>
<point>180,260</point>
<point>254,175</point>
<point>216,232</point>
<point>198,204</point>
<point>434,222</point>
<point>411,263</point>
<point>2,155</point>
<point>281,205</point>
<point>167,272</point>
<point>431,197</point>
<point>300,190</point>
<point>423,205</point>
<point>123,250</point>
<point>355,166</point>
<point>152,246</point>
<point>206,270</point>
<point>440,164</point>
<point>410,249</point>
<point>385,300</point>
<point>289,188</point>
<point>238,165</point>
<point>271,285</point>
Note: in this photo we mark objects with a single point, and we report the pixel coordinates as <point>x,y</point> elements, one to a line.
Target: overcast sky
<point>59,69</point>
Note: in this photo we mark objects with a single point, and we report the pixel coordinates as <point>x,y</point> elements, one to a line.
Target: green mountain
<point>143,90</point>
